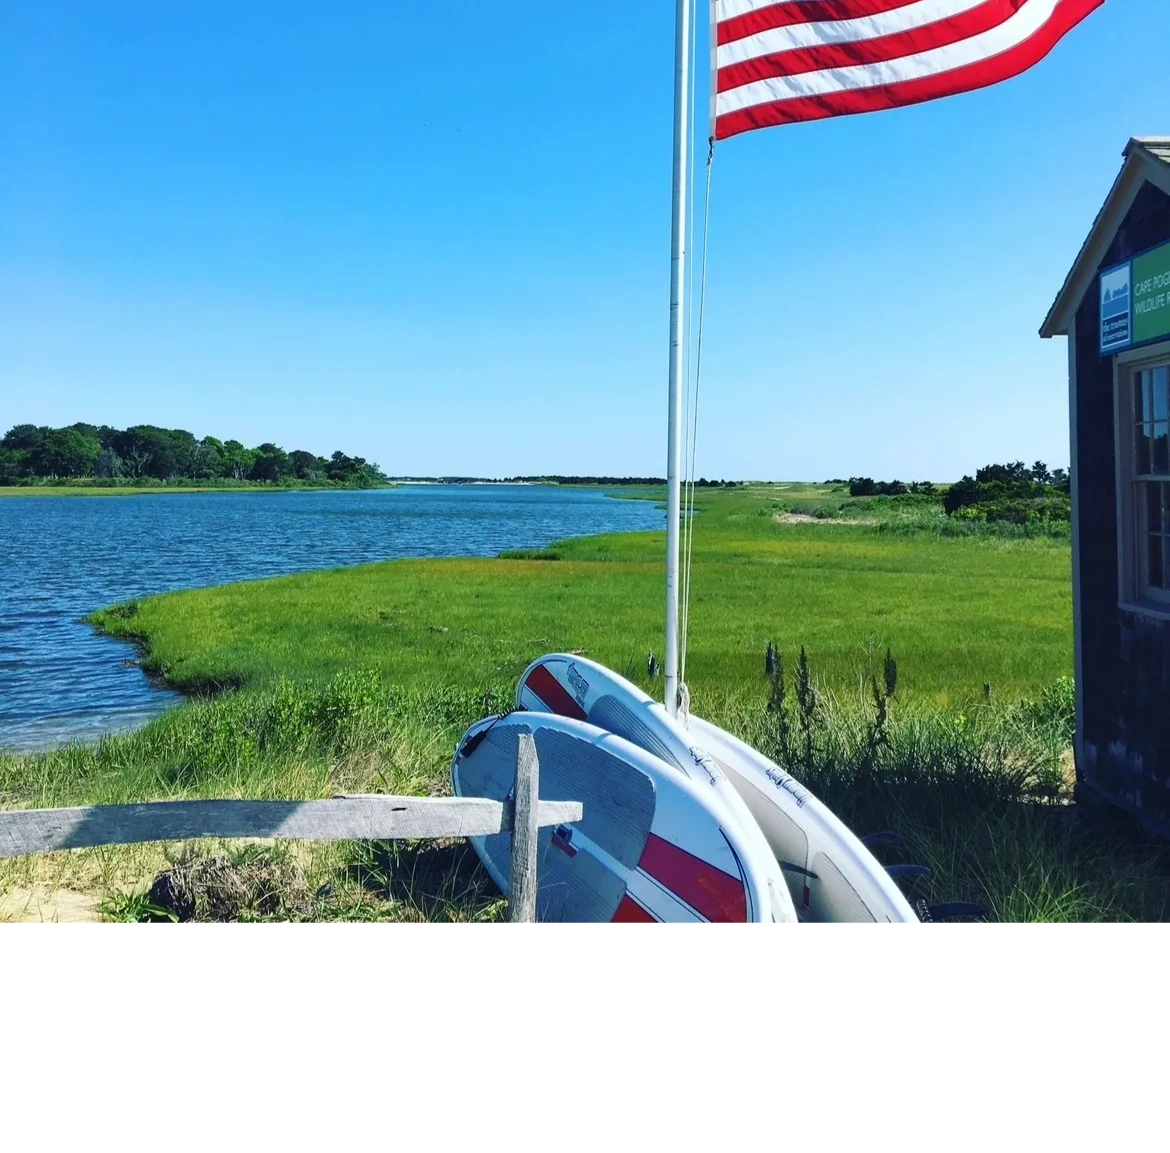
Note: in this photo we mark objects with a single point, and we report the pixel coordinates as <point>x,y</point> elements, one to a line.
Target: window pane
<point>1161,377</point>
<point>1166,562</point>
<point>1161,449</point>
<point>1141,454</point>
<point>1165,528</point>
<point>1153,494</point>
<point>1154,555</point>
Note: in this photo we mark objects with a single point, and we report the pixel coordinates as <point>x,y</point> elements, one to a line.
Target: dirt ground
<point>44,903</point>
<point>801,518</point>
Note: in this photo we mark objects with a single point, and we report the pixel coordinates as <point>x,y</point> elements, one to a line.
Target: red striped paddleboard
<point>651,846</point>
<point>580,688</point>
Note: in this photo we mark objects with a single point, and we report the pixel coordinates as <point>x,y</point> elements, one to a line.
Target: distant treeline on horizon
<point>592,481</point>
<point>32,453</point>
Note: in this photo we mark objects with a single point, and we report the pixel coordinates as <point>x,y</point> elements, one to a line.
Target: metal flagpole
<point>682,50</point>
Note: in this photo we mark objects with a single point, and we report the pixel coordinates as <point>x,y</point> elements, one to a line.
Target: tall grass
<point>978,794</point>
<point>981,795</point>
<point>292,740</point>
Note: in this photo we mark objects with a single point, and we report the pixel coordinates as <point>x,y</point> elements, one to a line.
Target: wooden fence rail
<point>358,818</point>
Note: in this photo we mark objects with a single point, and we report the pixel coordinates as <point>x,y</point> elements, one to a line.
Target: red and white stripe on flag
<point>779,63</point>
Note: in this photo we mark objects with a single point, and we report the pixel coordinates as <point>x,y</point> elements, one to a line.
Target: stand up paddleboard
<point>651,846</point>
<point>829,873</point>
<point>832,876</point>
<point>584,690</point>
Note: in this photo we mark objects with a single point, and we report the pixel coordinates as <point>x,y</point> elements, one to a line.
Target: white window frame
<point>1133,595</point>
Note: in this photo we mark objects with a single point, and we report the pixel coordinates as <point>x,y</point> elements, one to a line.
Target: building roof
<point>1147,160</point>
<point>1157,146</point>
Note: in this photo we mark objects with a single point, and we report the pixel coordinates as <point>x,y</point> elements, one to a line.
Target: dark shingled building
<point>1115,310</point>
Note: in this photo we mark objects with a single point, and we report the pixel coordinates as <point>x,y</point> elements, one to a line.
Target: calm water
<point>63,557</point>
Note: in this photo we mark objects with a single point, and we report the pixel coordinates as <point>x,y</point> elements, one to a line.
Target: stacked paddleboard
<point>830,874</point>
<point>682,821</point>
<point>653,844</point>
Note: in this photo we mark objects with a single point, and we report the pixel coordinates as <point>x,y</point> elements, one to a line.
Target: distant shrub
<point>1011,494</point>
<point>867,486</point>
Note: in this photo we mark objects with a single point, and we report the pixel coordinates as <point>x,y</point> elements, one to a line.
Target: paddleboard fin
<point>907,872</point>
<point>951,911</point>
<point>880,840</point>
<point>476,739</point>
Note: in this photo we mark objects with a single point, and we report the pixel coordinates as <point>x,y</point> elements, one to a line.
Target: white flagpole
<point>682,80</point>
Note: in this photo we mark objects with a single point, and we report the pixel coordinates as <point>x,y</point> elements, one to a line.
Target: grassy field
<point>362,680</point>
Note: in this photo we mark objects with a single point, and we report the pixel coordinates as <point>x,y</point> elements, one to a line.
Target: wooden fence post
<point>522,881</point>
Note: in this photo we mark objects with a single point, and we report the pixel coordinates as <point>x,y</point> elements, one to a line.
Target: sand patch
<point>41,903</point>
<point>802,518</point>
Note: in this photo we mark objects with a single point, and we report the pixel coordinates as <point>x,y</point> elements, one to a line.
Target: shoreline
<point>613,559</point>
<point>101,621</point>
<point>47,490</point>
<point>104,621</point>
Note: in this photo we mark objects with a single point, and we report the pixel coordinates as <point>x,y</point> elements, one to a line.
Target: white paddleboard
<point>651,845</point>
<point>832,876</point>
<point>584,690</point>
<point>829,873</point>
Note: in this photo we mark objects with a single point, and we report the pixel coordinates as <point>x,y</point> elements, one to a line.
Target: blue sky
<point>438,236</point>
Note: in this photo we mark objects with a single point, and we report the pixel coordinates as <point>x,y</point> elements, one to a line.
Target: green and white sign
<point>1151,295</point>
<point>1135,301</point>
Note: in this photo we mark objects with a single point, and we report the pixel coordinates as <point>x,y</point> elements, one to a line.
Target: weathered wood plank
<point>376,818</point>
<point>522,879</point>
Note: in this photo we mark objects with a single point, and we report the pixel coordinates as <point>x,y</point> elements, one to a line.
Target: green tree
<point>108,464</point>
<point>341,467</point>
<point>210,459</point>
<point>270,463</point>
<point>64,452</point>
<point>305,465</point>
<point>236,461</point>
<point>149,450</point>
<point>23,437</point>
<point>11,465</point>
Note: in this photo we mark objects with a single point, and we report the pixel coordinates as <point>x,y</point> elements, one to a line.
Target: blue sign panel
<point>1116,309</point>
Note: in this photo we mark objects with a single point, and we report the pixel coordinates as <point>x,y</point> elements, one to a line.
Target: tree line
<point>1017,478</point>
<point>639,481</point>
<point>586,481</point>
<point>146,453</point>
<point>867,486</point>
<point>1010,492</point>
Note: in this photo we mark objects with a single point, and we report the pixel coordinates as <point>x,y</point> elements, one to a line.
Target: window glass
<point>1161,464</point>
<point>1145,402</point>
<point>1154,552</point>
<point>1153,507</point>
<point>1161,389</point>
<point>1142,450</point>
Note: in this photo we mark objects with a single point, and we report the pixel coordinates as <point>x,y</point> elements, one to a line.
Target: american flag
<point>779,63</point>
